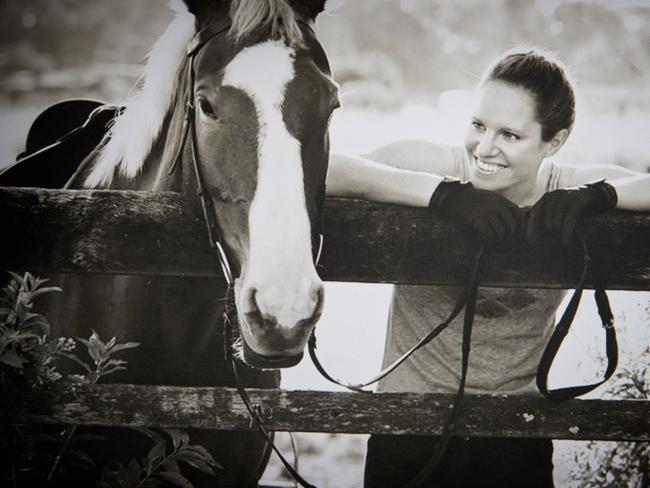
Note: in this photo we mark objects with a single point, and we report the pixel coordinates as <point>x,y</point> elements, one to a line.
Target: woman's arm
<point>632,188</point>
<point>404,173</point>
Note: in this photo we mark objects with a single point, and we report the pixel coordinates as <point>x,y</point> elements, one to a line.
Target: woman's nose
<point>486,145</point>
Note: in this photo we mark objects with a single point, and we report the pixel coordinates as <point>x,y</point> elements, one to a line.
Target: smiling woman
<point>523,114</point>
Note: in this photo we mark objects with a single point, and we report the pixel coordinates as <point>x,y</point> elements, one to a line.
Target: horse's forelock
<point>135,131</point>
<point>278,15</point>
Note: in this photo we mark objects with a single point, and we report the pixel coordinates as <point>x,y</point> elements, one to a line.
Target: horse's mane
<point>134,132</point>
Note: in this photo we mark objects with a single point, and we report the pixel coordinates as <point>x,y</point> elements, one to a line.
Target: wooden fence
<point>157,233</point>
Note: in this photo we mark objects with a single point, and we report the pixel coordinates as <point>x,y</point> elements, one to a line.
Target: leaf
<point>127,345</point>
<point>171,465</point>
<point>156,455</point>
<point>151,434</point>
<point>47,289</point>
<point>96,347</point>
<point>179,437</point>
<point>12,359</point>
<point>116,362</point>
<point>110,343</point>
<point>19,279</point>
<point>37,321</point>
<point>176,479</point>
<point>76,359</point>
<point>199,457</point>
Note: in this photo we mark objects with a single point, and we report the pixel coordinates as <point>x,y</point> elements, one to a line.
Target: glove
<point>558,211</point>
<point>489,215</point>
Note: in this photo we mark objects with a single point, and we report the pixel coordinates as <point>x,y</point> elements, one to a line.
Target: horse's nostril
<point>253,312</point>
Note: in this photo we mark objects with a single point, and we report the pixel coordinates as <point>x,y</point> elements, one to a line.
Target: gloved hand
<point>558,211</point>
<point>492,217</point>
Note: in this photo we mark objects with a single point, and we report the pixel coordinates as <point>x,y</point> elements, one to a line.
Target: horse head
<point>263,97</point>
<point>248,108</point>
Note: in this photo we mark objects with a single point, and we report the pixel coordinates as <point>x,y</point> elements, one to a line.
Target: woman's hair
<point>546,78</point>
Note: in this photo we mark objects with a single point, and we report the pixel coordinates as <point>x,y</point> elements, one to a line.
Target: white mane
<point>135,130</point>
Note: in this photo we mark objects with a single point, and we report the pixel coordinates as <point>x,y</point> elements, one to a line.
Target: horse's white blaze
<point>280,261</point>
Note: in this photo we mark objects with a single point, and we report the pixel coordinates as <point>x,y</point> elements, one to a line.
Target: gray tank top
<point>511,329</point>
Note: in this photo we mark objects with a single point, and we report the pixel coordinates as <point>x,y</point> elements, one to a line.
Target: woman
<point>524,112</point>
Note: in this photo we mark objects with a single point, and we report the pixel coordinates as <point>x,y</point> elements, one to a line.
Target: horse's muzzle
<point>260,361</point>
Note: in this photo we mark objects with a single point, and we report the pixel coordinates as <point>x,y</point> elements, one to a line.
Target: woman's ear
<point>556,142</point>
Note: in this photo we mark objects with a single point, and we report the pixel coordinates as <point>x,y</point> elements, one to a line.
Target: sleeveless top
<point>511,329</point>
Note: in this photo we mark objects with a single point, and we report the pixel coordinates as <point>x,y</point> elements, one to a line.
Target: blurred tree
<point>617,464</point>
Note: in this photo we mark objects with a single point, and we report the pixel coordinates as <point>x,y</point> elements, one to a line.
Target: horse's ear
<point>309,9</point>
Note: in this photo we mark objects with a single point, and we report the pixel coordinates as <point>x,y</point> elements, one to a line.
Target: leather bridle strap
<point>562,329</point>
<point>254,410</point>
<point>215,235</point>
<point>463,301</point>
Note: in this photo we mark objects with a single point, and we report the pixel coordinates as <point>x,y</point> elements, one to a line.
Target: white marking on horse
<point>280,268</point>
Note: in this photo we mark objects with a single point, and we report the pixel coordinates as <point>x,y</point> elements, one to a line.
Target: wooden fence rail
<point>120,232</point>
<point>159,233</point>
<point>313,411</point>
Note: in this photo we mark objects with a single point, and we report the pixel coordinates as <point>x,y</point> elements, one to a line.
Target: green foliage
<point>101,355</point>
<point>37,456</point>
<point>26,351</point>
<point>614,464</point>
<point>161,465</point>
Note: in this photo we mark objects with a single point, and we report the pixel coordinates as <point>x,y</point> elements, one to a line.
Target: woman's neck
<point>527,193</point>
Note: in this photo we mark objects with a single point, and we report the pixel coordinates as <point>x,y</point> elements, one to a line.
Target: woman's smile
<point>489,167</point>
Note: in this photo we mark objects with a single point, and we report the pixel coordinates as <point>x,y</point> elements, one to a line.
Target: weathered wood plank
<point>312,411</point>
<point>159,233</point>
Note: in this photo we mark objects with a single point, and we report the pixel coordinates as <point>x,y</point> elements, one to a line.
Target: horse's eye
<point>206,108</point>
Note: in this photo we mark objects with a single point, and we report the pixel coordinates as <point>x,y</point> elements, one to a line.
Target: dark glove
<point>558,211</point>
<point>492,217</point>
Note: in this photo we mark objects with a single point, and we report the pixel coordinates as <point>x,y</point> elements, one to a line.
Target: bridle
<point>215,235</point>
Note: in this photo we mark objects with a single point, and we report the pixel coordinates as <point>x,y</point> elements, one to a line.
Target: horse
<point>236,99</point>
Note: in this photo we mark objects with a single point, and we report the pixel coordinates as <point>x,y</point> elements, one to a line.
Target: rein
<point>468,301</point>
<point>562,329</point>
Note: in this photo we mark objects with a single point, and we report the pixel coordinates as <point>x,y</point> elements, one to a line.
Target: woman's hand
<point>558,211</point>
<point>491,216</point>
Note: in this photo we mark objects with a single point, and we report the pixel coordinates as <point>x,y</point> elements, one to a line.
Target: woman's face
<point>504,141</point>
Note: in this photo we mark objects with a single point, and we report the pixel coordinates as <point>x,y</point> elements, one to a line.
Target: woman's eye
<point>510,136</point>
<point>206,108</point>
<point>477,125</point>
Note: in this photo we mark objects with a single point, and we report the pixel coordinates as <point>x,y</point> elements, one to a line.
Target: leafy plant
<point>614,464</point>
<point>35,456</point>
<point>26,351</point>
<point>161,465</point>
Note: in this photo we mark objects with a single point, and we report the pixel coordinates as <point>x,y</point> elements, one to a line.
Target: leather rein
<point>468,302</point>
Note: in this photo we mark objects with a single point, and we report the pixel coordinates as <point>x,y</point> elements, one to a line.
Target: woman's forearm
<point>357,177</point>
<point>633,192</point>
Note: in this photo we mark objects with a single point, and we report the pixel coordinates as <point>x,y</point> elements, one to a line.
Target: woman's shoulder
<point>570,175</point>
<point>417,155</point>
